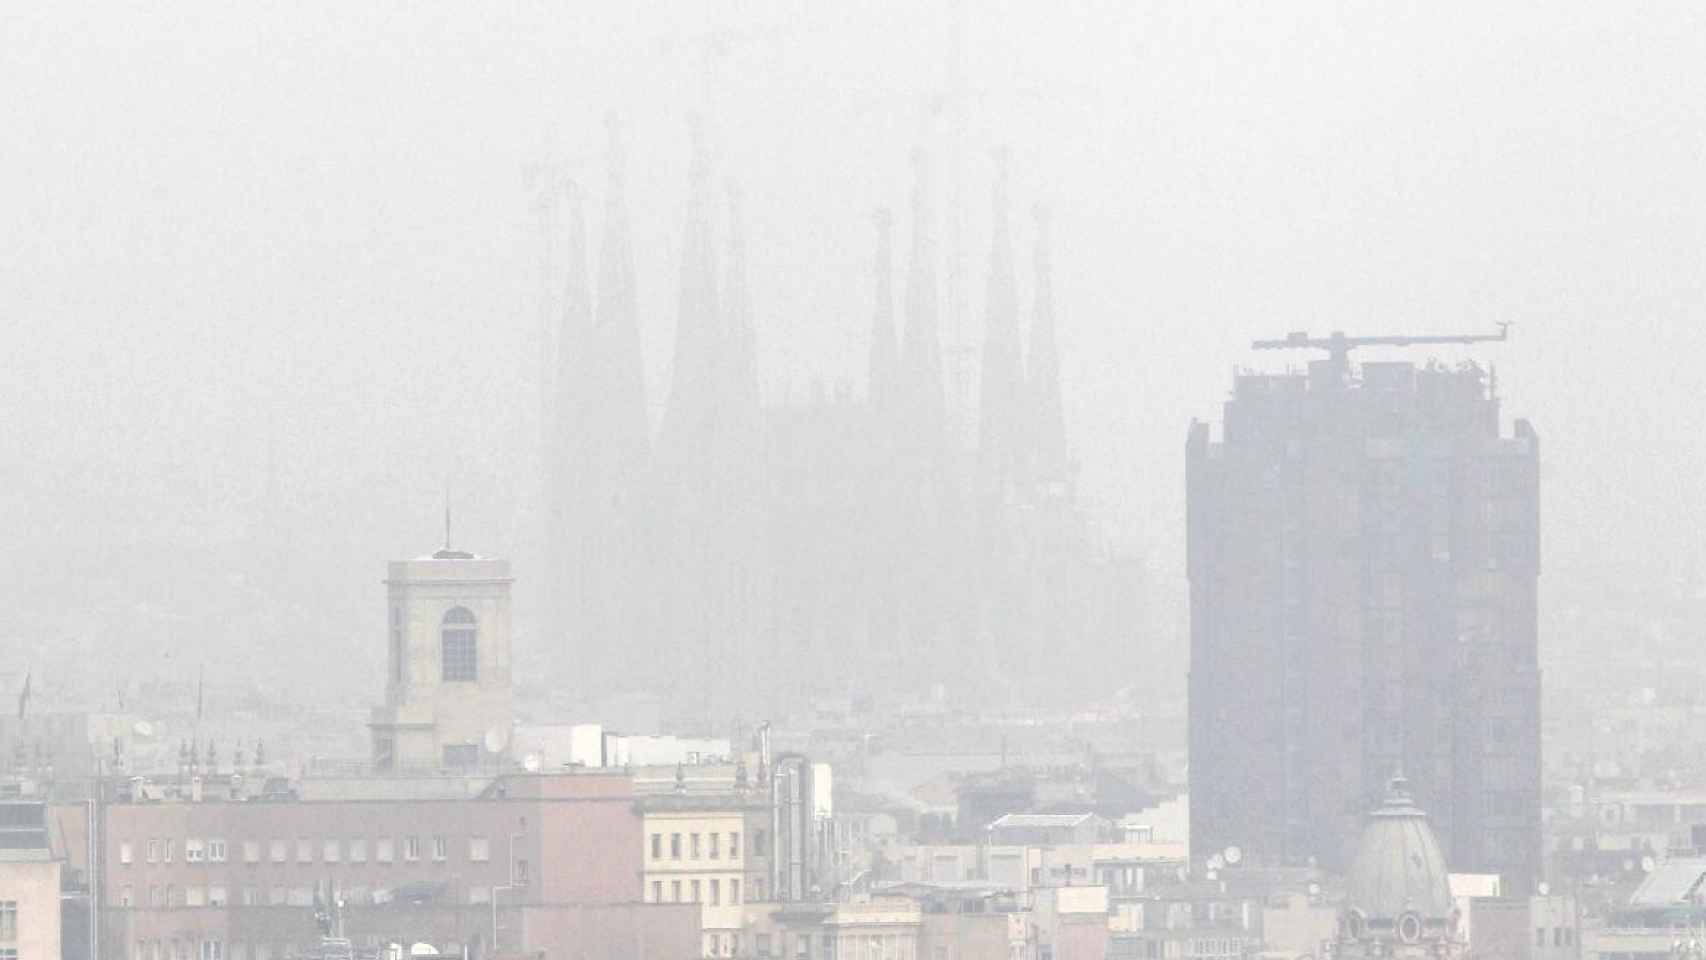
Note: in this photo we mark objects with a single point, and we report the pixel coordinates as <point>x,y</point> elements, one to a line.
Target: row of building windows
<point>168,895</point>
<point>802,946</point>
<point>1148,949</point>
<point>1173,948</point>
<point>331,850</point>
<point>191,948</point>
<point>710,892</point>
<point>870,946</point>
<point>214,949</point>
<point>179,949</point>
<point>711,848</point>
<point>8,921</point>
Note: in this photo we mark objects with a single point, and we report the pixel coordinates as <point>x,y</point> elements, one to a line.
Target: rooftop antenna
<point>449,552</point>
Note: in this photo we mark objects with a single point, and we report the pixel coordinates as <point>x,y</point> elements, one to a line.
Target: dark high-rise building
<point>1363,554</point>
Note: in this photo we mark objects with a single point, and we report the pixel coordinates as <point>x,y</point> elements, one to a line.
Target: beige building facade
<point>700,850</point>
<point>886,928</point>
<point>879,928</point>
<point>29,886</point>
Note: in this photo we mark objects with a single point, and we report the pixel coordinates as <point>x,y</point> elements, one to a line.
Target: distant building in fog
<point>448,698</point>
<point>840,541</point>
<point>1363,554</point>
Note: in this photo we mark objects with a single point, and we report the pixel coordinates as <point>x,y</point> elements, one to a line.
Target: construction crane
<point>1339,346</point>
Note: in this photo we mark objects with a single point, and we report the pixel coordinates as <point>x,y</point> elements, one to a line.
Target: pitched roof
<point>1671,883</point>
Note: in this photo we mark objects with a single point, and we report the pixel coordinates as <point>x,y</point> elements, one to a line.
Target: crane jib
<point>1338,344</point>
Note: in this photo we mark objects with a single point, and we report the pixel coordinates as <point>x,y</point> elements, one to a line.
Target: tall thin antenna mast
<point>449,552</point>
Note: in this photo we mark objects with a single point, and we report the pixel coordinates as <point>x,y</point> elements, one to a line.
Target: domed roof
<point>1398,865</point>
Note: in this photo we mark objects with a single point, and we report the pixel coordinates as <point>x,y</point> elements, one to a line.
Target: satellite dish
<point>1647,864</point>
<point>532,762</point>
<point>1233,855</point>
<point>1215,863</point>
<point>497,739</point>
<point>142,728</point>
<point>1544,888</point>
<point>1314,889</point>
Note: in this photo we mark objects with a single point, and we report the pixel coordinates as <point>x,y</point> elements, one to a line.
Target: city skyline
<point>251,401</point>
<point>789,480</point>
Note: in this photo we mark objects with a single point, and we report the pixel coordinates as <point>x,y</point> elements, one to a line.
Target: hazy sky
<point>272,269</point>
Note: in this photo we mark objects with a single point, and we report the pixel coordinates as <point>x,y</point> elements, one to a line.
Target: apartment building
<point>528,857</point>
<point>1364,556</point>
<point>711,851</point>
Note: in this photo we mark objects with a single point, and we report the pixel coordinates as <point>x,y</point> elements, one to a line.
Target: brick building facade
<point>242,880</point>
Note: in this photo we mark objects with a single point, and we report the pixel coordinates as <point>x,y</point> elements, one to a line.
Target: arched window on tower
<point>460,647</point>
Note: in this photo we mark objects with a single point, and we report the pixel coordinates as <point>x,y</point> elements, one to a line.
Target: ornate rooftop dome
<point>1398,867</point>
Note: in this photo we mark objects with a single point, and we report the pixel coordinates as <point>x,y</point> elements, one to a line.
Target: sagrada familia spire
<point>933,605</point>
<point>885,412</point>
<point>741,561</point>
<point>685,436</point>
<point>709,477</point>
<point>1047,435</point>
<point>616,342</point>
<point>921,347</point>
<point>1001,387</point>
<point>883,366</point>
<point>600,457</point>
<point>565,457</point>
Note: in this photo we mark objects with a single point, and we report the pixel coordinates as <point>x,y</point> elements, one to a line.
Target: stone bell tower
<point>448,697</point>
